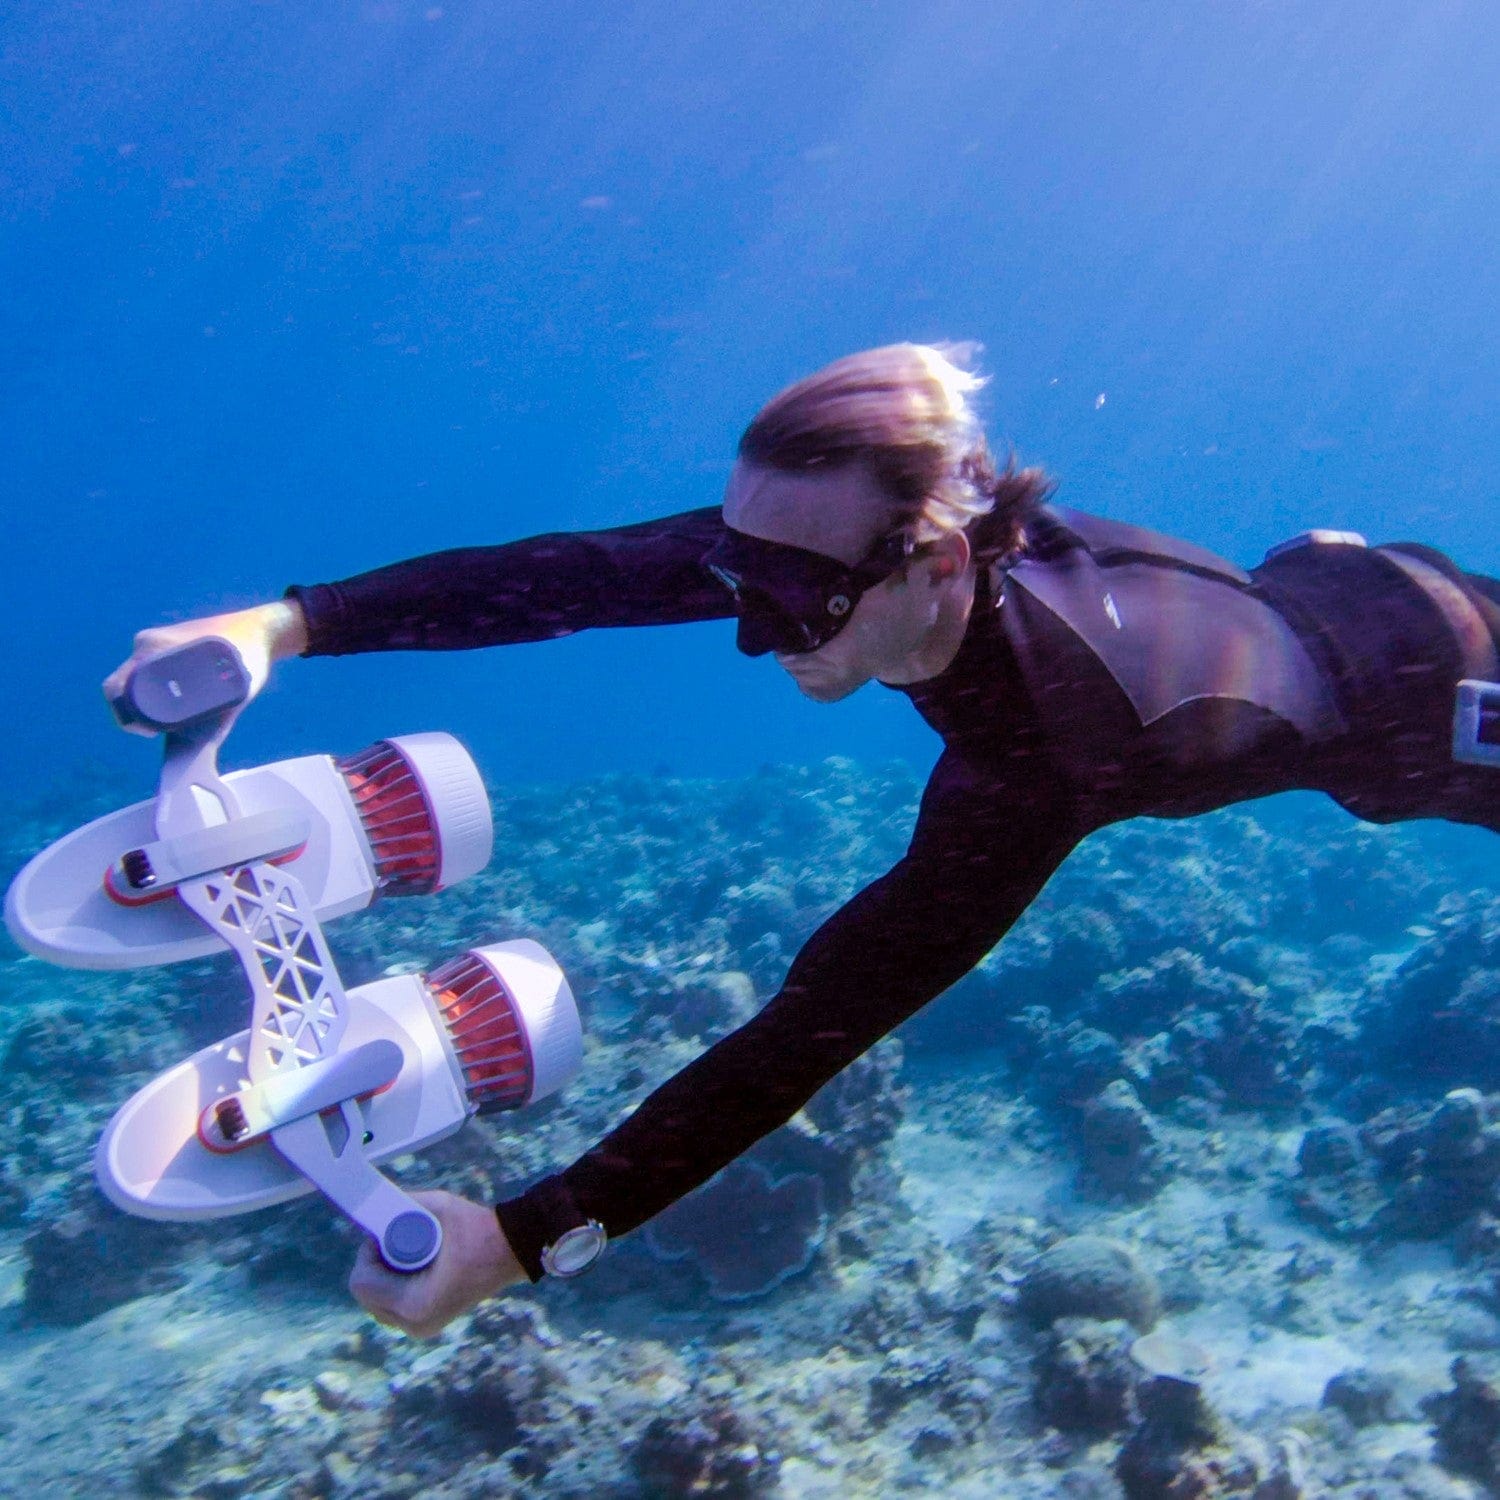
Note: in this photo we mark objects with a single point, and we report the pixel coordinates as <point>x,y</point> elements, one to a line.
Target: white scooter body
<point>152,1161</point>
<point>57,908</point>
<point>325,1082</point>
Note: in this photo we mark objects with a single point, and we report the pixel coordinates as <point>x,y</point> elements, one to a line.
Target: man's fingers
<point>146,642</point>
<point>392,1299</point>
<point>376,1288</point>
<point>384,1310</point>
<point>475,1262</point>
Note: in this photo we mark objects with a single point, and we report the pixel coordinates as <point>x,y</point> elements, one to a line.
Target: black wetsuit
<point>1107,673</point>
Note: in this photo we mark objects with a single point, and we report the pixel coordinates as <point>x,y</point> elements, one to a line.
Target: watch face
<point>574,1250</point>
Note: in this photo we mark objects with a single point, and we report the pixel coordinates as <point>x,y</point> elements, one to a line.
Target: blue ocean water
<point>294,291</point>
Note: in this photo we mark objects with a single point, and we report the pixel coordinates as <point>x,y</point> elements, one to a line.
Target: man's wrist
<point>536,1220</point>
<point>286,628</point>
<point>575,1250</point>
<point>508,1270</point>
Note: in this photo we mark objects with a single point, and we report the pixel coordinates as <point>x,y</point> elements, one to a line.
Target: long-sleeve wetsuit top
<point>1107,673</point>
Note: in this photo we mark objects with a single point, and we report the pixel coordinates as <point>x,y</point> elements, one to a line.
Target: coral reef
<point>1408,1173</point>
<point>504,1389</point>
<point>1365,1397</point>
<point>705,1006</point>
<point>1438,1016</point>
<point>706,1453</point>
<point>1089,1276</point>
<point>1183,1450</point>
<point>1216,1073</point>
<point>91,1258</point>
<point>1466,1420</point>
<point>1085,1381</point>
<point>1121,1147</point>
<point>745,1231</point>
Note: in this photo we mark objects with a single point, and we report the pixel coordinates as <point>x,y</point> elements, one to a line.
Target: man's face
<point>842,516</point>
<point>886,628</point>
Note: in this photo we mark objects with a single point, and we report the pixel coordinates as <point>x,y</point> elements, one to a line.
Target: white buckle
<point>1476,724</point>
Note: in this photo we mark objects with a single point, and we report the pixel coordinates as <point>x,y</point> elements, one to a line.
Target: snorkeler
<point>1079,671</point>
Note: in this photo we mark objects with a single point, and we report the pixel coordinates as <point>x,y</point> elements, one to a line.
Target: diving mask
<point>791,600</point>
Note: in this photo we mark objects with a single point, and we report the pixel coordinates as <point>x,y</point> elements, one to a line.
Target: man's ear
<point>949,555</point>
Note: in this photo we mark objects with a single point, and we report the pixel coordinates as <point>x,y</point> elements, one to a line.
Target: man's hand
<point>475,1262</point>
<point>263,635</point>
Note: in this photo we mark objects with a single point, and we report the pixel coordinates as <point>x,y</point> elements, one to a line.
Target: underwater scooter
<point>325,1082</point>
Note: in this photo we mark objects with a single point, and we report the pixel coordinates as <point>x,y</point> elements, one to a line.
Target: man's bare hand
<point>262,635</point>
<point>475,1262</point>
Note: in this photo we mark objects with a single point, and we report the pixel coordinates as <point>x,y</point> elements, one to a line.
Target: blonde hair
<point>905,411</point>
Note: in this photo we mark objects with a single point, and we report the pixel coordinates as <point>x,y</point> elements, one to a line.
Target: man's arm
<point>984,846</point>
<point>531,590</point>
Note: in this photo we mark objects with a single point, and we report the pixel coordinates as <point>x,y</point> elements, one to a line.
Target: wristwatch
<point>575,1249</point>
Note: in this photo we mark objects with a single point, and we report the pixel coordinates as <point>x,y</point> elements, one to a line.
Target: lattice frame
<point>299,1008</point>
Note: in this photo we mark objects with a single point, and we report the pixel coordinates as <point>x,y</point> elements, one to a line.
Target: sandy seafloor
<point>1231,1079</point>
